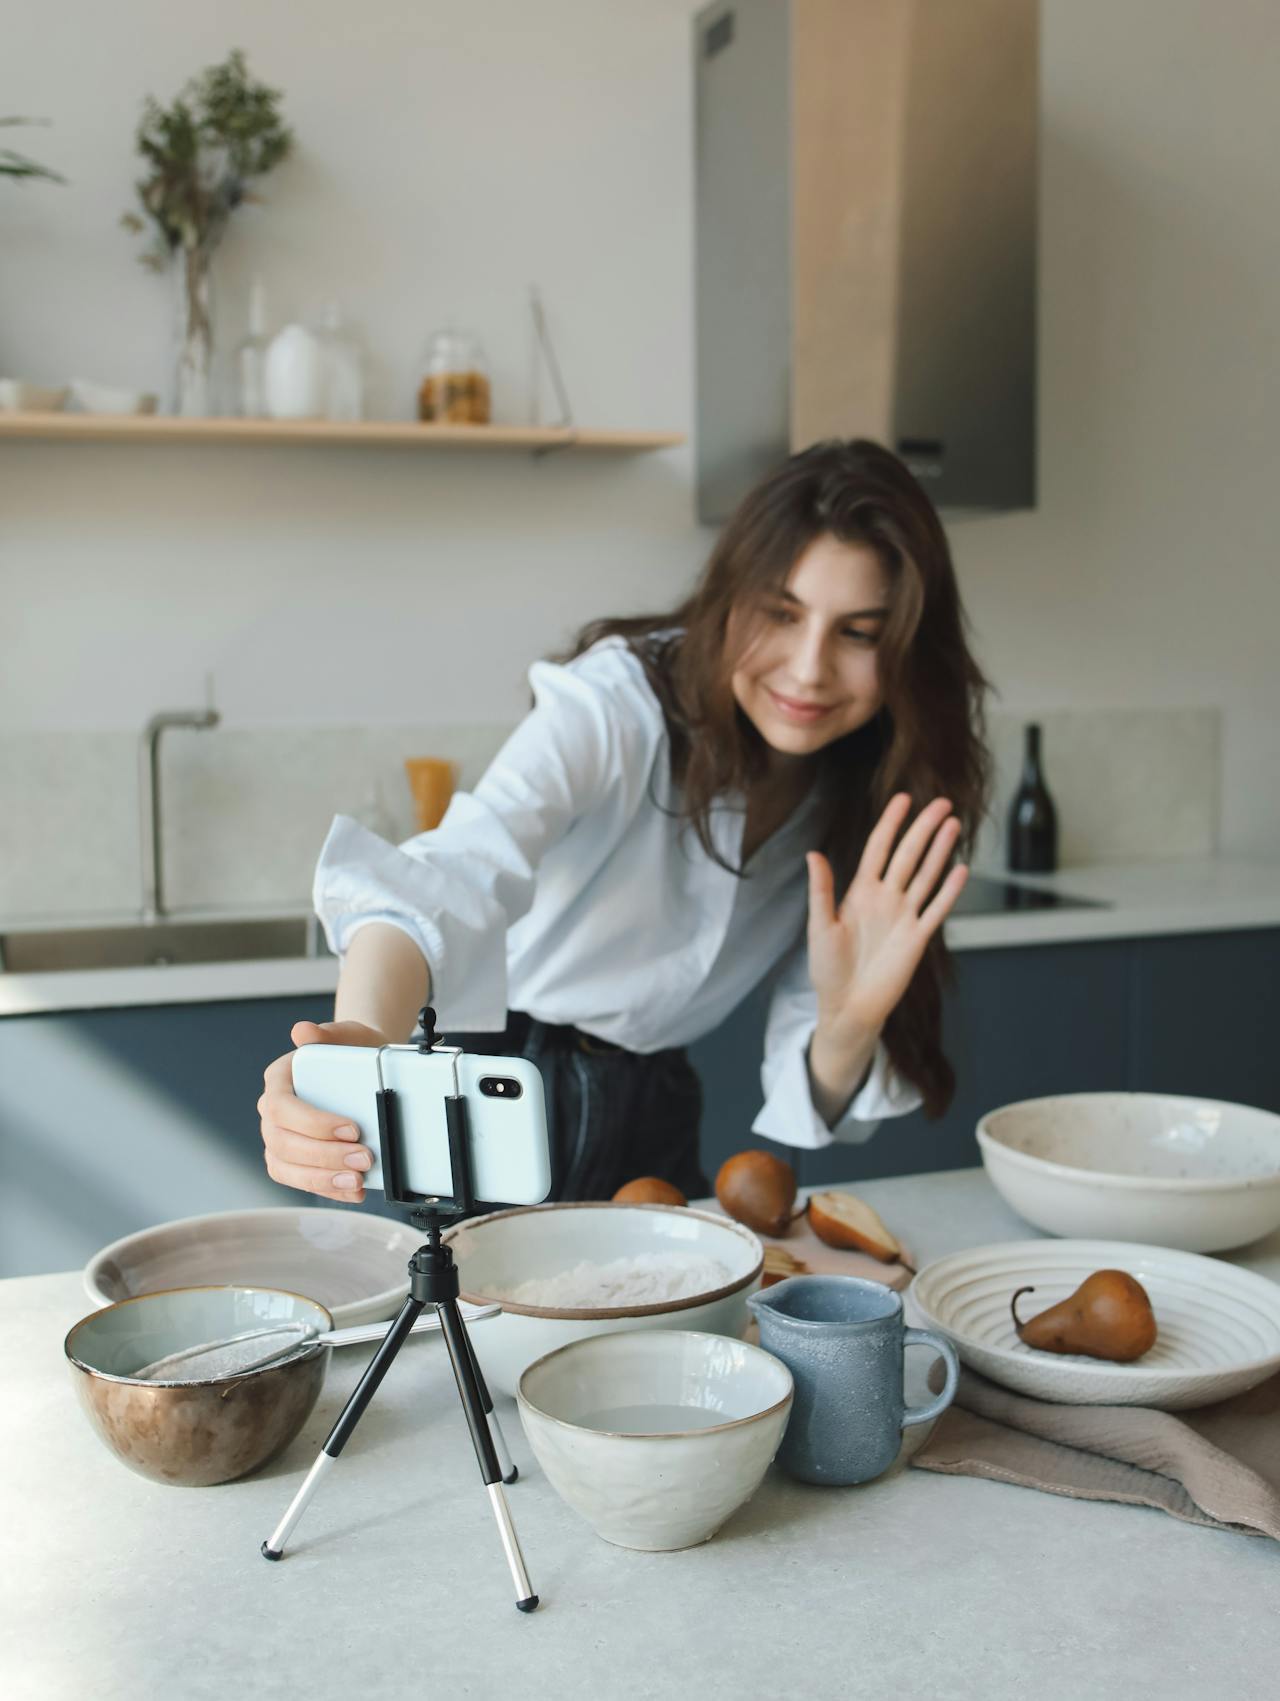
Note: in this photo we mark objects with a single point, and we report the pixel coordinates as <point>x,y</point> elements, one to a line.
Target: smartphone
<point>506,1115</point>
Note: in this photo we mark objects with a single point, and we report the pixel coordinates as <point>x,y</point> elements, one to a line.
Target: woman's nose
<point>809,658</point>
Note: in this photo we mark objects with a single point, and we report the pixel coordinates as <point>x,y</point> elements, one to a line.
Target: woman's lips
<point>792,709</point>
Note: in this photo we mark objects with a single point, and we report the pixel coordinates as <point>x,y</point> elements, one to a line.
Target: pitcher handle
<point>940,1344</point>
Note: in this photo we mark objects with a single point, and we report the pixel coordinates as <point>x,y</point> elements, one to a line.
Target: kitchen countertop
<point>915,1585</point>
<point>1216,894</point>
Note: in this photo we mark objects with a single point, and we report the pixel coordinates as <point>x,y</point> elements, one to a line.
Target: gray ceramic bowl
<point>193,1434</point>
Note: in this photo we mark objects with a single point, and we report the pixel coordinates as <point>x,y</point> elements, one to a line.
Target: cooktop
<point>982,896</point>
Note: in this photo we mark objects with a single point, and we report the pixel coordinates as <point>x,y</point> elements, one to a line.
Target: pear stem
<point>1013,1307</point>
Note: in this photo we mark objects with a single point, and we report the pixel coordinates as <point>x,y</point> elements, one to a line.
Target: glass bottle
<point>454,388</point>
<point>343,377</point>
<point>1033,820</point>
<point>251,358</point>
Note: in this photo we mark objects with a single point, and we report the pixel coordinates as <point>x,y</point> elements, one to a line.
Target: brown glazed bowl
<point>194,1433</point>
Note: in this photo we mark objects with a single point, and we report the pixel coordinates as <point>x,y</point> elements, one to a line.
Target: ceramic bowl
<point>17,396</point>
<point>353,1262</point>
<point>1199,1175</point>
<point>656,1436</point>
<point>193,1434</point>
<point>497,1253</point>
<point>106,398</point>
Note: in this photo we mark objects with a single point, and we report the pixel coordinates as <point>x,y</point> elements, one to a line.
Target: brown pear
<point>759,1190</point>
<point>1108,1316</point>
<point>649,1190</point>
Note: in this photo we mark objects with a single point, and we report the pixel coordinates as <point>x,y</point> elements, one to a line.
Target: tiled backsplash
<point>1129,785</point>
<point>244,812</point>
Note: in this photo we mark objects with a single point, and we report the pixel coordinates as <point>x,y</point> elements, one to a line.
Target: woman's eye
<point>779,616</point>
<point>860,637</point>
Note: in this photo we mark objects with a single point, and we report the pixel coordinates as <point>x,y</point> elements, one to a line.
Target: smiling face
<point>808,675</point>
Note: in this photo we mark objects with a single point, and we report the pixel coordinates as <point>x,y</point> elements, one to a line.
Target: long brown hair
<point>928,737</point>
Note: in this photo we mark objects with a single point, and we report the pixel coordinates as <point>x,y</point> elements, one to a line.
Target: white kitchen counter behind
<point>1210,895</point>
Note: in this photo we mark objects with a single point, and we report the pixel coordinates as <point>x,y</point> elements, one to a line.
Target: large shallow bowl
<point>354,1264</point>
<point>1218,1326</point>
<point>1197,1174</point>
<point>497,1253</point>
<point>655,1436</point>
<point>194,1433</point>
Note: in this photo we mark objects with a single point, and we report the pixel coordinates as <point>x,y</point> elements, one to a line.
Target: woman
<point>643,851</point>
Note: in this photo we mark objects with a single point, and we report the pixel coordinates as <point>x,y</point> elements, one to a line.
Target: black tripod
<point>433,1280</point>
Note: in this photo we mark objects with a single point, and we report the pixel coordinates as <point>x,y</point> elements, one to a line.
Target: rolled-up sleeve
<point>789,1114</point>
<point>457,889</point>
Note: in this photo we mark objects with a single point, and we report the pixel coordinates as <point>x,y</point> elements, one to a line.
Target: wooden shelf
<point>409,434</point>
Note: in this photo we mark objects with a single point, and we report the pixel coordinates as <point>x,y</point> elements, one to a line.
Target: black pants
<point>612,1115</point>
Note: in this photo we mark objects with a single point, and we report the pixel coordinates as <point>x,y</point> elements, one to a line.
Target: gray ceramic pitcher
<point>843,1339</point>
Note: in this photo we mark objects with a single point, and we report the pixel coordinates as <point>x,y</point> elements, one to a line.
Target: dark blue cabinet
<point>1186,1014</point>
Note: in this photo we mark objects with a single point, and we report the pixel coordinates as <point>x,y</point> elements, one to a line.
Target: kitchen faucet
<point>149,798</point>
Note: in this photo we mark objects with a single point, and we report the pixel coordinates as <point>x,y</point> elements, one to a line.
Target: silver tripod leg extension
<point>273,1547</point>
<point>379,1364</point>
<point>469,1389</point>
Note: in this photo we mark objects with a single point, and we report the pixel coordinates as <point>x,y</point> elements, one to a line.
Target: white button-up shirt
<point>565,885</point>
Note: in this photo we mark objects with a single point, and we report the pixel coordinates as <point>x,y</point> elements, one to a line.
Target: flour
<point>650,1278</point>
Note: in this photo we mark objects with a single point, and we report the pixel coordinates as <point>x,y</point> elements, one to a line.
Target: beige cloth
<point>1218,1466</point>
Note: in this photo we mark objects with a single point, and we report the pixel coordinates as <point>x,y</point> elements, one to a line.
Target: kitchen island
<point>917,1585</point>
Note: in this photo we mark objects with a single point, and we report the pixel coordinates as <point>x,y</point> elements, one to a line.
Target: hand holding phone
<point>305,1146</point>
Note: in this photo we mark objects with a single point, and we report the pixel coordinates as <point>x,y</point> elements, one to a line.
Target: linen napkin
<point>1218,1466</point>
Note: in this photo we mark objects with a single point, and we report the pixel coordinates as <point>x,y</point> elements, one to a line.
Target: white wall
<point>452,150</point>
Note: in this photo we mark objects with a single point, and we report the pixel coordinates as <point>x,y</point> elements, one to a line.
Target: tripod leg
<point>508,1470</point>
<point>340,1434</point>
<point>463,1361</point>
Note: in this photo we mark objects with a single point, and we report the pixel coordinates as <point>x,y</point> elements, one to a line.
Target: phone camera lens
<point>500,1086</point>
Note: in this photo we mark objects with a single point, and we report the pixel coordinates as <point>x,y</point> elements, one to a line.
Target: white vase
<point>295,375</point>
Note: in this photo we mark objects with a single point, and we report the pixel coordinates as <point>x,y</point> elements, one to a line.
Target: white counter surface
<point>1137,899</point>
<point>914,1586</point>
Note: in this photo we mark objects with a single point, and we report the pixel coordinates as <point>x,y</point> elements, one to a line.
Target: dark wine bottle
<point>1033,821</point>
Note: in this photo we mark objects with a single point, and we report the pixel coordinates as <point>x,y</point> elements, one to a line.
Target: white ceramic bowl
<point>497,1253</point>
<point>107,398</point>
<point>353,1263</point>
<point>1197,1174</point>
<point>656,1436</point>
<point>1218,1327</point>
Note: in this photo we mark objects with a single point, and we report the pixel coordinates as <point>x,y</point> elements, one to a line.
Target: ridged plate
<point>1219,1326</point>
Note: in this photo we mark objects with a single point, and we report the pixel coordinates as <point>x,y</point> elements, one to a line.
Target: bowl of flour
<point>568,1270</point>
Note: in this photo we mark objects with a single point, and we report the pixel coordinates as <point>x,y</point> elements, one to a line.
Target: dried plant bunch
<point>222,131</point>
<point>16,165</point>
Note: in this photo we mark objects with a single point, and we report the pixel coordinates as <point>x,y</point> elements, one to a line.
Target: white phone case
<point>510,1155</point>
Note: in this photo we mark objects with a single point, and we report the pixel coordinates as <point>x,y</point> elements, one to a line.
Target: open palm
<point>863,954</point>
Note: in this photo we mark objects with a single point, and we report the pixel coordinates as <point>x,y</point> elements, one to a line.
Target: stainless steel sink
<point>142,943</point>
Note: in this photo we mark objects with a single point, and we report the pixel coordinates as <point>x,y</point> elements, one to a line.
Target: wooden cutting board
<point>824,1260</point>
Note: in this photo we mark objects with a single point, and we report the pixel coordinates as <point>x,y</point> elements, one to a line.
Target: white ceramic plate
<point>353,1263</point>
<point>1219,1326</point>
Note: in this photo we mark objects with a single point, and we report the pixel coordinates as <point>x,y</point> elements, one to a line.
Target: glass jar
<point>455,380</point>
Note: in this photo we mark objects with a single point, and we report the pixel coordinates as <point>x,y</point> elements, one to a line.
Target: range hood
<point>866,188</point>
